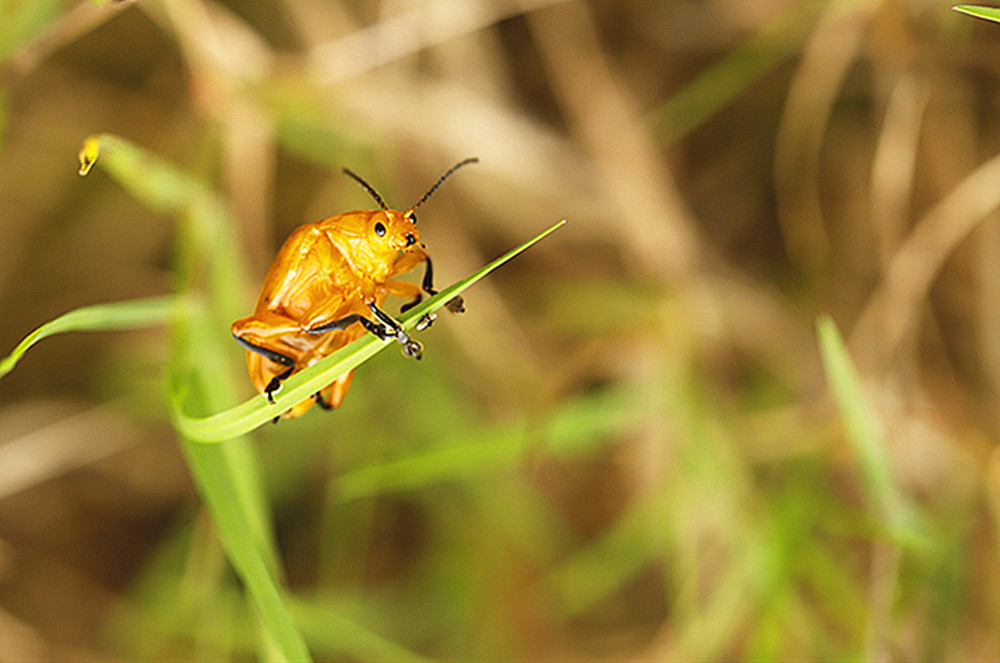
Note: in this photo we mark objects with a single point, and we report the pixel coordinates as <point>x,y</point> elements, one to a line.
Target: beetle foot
<point>272,388</point>
<point>411,348</point>
<point>426,322</point>
<point>455,305</point>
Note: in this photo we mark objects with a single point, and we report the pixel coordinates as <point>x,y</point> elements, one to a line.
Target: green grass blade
<point>580,427</point>
<point>256,412</point>
<point>988,13</point>
<point>334,633</point>
<point>208,270</point>
<point>204,221</point>
<point>214,469</point>
<point>744,65</point>
<point>132,314</point>
<point>863,433</point>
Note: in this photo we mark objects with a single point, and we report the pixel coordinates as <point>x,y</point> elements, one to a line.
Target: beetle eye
<point>411,217</point>
<point>380,229</point>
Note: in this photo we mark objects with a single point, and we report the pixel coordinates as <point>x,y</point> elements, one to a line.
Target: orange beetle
<point>325,289</point>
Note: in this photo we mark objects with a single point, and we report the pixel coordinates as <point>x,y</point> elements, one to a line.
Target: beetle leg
<point>407,289</point>
<point>274,356</point>
<point>408,305</point>
<point>339,323</point>
<point>411,348</point>
<point>274,385</point>
<point>455,304</point>
<point>427,285</point>
<point>348,320</point>
<point>278,358</point>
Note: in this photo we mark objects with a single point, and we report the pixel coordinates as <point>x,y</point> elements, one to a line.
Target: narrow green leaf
<point>333,632</point>
<point>988,13</point>
<point>863,433</point>
<point>208,269</point>
<point>204,221</point>
<point>156,183</point>
<point>215,469</point>
<point>744,65</point>
<point>132,314</point>
<point>257,411</point>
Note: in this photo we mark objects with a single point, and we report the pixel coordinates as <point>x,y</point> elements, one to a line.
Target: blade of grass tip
<point>864,435</point>
<point>987,13</point>
<point>133,314</point>
<point>257,411</point>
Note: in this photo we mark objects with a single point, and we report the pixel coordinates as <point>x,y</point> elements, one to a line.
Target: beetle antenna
<point>441,180</point>
<point>368,187</point>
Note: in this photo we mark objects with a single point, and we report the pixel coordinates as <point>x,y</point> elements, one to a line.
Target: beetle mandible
<point>326,288</point>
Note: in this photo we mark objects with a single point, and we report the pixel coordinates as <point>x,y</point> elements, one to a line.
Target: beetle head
<point>394,230</point>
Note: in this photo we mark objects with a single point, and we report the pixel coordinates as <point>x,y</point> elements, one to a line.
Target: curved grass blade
<point>988,13</point>
<point>257,411</point>
<point>133,314</point>
<point>208,271</point>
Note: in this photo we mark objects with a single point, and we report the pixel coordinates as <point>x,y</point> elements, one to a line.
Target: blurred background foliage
<point>627,447</point>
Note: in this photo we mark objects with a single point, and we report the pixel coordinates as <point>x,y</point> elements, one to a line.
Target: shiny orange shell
<point>325,271</point>
<point>325,289</point>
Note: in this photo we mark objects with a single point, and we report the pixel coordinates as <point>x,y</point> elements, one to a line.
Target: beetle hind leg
<point>274,386</point>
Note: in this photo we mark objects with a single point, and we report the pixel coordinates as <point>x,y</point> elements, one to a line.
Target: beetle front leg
<point>407,289</point>
<point>455,304</point>
<point>274,386</point>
